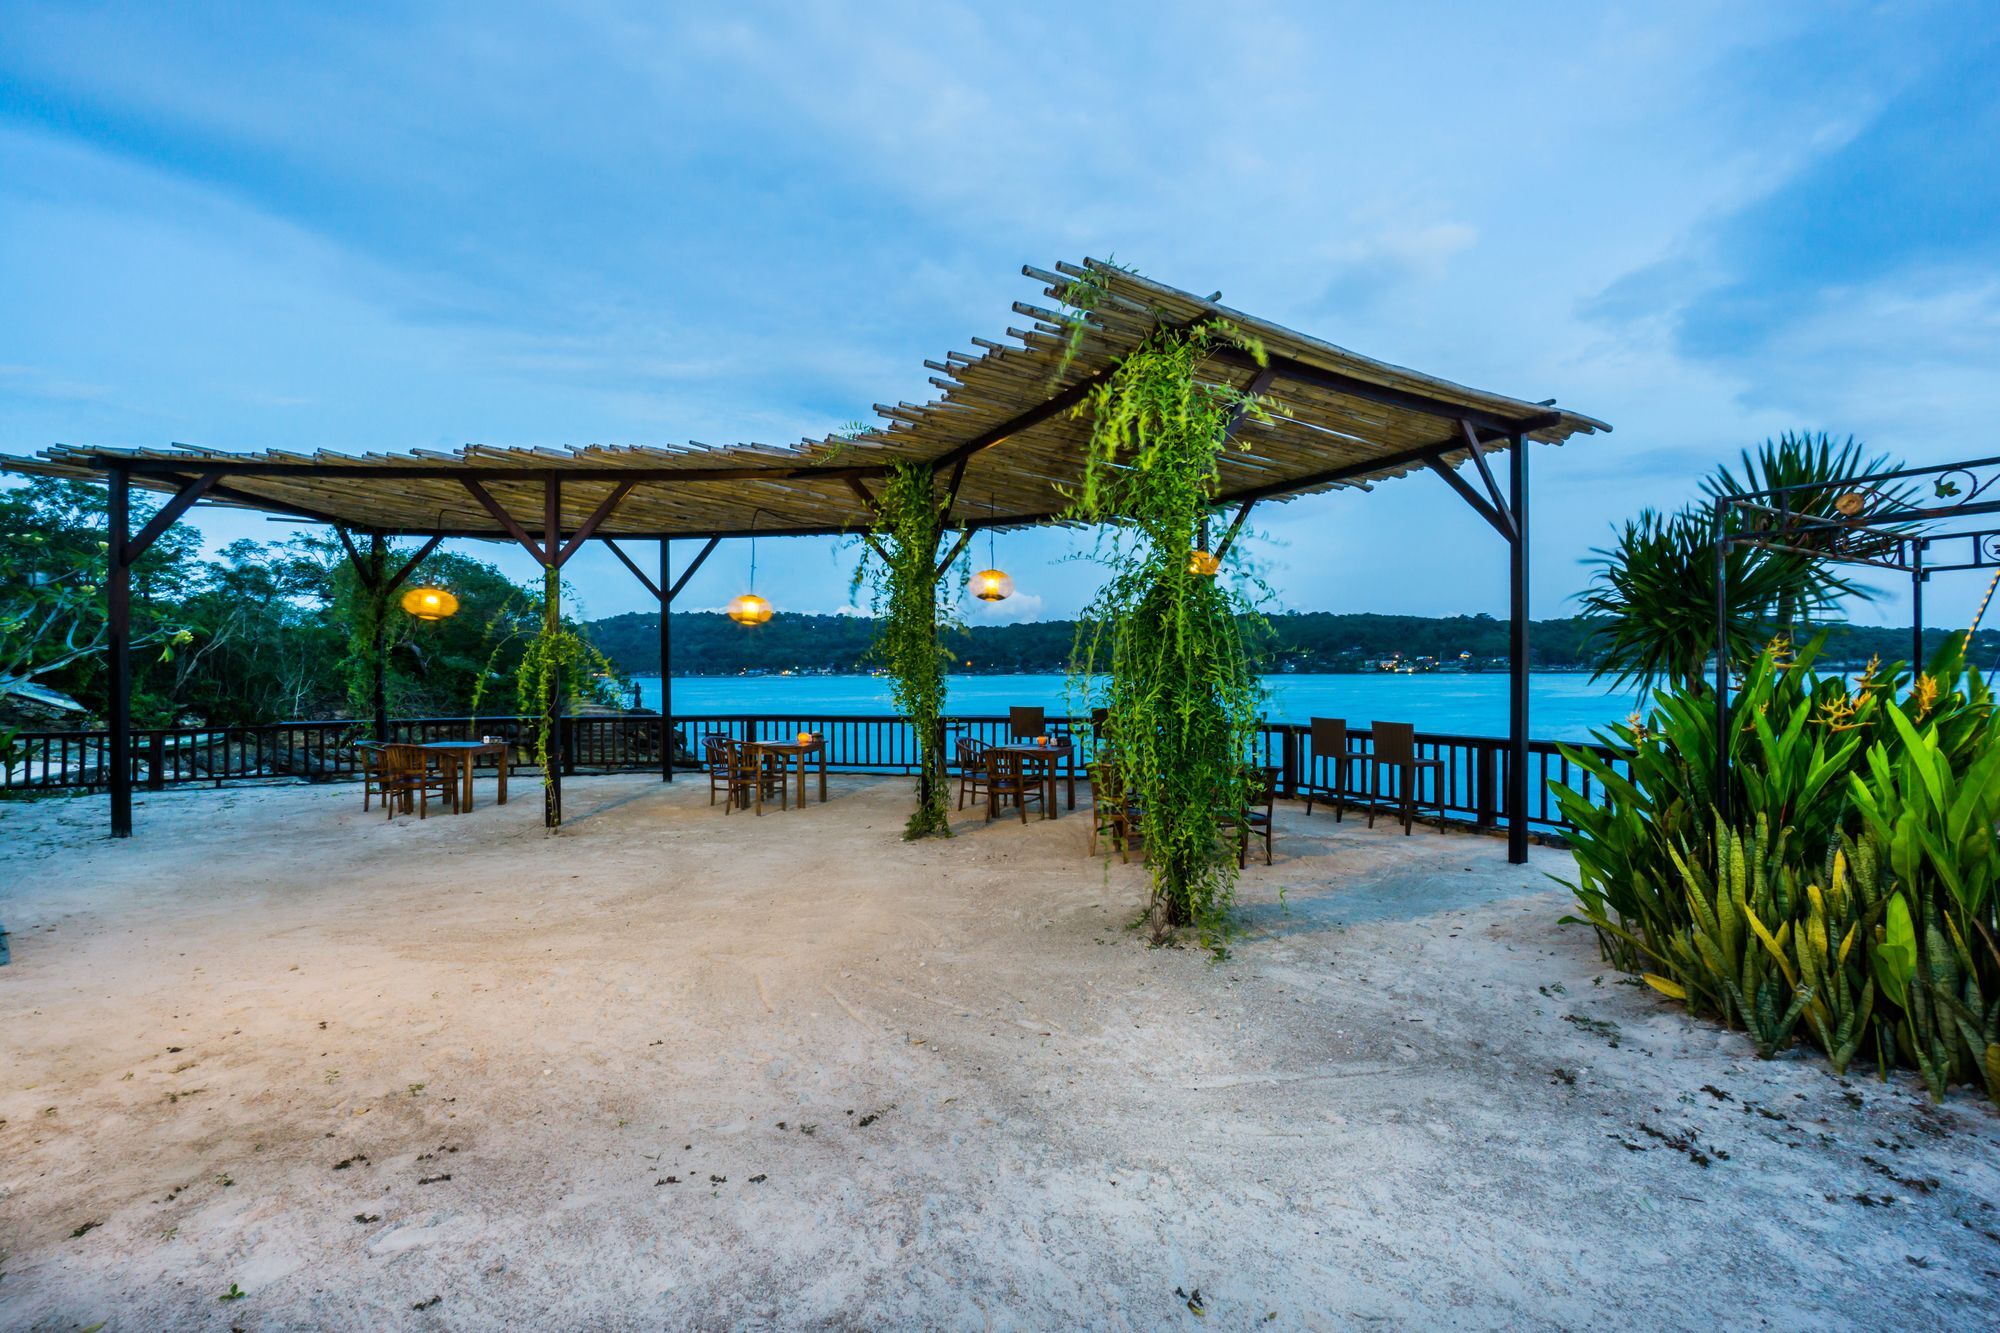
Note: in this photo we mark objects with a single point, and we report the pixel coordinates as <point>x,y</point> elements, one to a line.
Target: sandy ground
<point>677,1069</point>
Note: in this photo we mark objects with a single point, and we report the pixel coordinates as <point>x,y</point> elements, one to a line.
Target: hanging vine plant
<point>552,665</point>
<point>900,563</point>
<point>1162,647</point>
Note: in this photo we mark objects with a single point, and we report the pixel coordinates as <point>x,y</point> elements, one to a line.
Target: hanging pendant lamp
<point>430,602</point>
<point>991,584</point>
<point>1202,562</point>
<point>748,608</point>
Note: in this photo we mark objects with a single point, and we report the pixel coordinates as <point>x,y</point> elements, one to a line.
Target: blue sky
<point>302,227</point>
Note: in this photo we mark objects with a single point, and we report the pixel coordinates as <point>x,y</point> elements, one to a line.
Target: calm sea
<point>1562,706</point>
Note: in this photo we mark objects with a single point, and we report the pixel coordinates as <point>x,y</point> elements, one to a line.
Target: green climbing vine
<point>372,632</point>
<point>900,562</point>
<point>553,666</point>
<point>1162,647</point>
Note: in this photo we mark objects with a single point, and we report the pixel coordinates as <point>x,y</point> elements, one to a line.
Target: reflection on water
<point>1562,705</point>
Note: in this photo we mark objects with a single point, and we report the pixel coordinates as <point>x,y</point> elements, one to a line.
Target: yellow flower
<point>1924,693</point>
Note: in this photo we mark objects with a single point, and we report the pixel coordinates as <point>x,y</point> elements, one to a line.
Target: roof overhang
<point>1004,427</point>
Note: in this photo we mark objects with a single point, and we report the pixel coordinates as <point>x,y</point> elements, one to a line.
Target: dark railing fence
<point>1473,780</point>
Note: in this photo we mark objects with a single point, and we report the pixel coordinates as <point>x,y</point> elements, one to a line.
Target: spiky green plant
<point>1654,591</point>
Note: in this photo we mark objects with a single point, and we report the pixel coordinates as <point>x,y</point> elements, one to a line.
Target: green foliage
<point>909,616</point>
<point>557,666</point>
<point>709,643</point>
<point>1163,648</point>
<point>53,624</point>
<point>1852,899</point>
<point>1654,592</point>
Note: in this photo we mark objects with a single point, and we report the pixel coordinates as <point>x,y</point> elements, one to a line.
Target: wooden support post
<point>118,624</point>
<point>378,658</point>
<point>666,672</point>
<point>552,622</point>
<point>1517,650</point>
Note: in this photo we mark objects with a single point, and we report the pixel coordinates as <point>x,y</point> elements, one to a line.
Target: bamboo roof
<point>1004,411</point>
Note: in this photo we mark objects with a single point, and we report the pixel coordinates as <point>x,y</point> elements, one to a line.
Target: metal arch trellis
<point>1883,520</point>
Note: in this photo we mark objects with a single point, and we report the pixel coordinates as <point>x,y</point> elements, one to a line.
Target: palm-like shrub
<point>1654,591</point>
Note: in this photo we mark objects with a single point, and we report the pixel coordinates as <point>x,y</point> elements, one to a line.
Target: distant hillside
<point>706,643</point>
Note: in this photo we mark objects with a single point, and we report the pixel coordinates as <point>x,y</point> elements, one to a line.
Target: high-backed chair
<point>1396,752</point>
<point>1259,813</point>
<point>1330,774</point>
<point>1024,724</point>
<point>1112,811</point>
<point>409,774</point>
<point>1012,775</point>
<point>971,759</point>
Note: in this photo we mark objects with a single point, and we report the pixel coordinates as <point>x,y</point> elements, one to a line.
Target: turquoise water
<point>1562,706</point>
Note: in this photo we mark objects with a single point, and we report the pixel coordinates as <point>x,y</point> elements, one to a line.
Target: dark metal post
<point>118,625</point>
<point>1517,660</point>
<point>666,670</point>
<point>551,622</point>
<point>1717,532</point>
<point>1917,580</point>
<point>379,595</point>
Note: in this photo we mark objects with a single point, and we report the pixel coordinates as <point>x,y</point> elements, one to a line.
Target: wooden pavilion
<point>1002,428</point>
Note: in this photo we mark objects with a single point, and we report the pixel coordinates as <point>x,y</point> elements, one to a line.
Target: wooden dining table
<point>786,752</point>
<point>1062,752</point>
<point>458,758</point>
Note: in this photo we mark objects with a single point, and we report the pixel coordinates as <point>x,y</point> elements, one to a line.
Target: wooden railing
<point>1473,780</point>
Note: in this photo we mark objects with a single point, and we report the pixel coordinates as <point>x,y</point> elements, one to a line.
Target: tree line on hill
<point>709,643</point>
<point>267,631</point>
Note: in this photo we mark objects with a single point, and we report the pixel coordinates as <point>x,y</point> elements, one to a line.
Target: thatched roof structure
<point>1003,424</point>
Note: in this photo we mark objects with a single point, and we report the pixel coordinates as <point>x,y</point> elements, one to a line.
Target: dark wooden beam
<point>396,579</point>
<point>1502,523</point>
<point>1518,657</point>
<point>956,548</point>
<point>688,573</point>
<point>637,572</point>
<point>597,517</point>
<point>1409,400</point>
<point>361,570</point>
<point>1417,457</point>
<point>167,467</point>
<point>1235,526</point>
<point>1500,506</point>
<point>118,653</point>
<point>167,513</point>
<point>505,519</point>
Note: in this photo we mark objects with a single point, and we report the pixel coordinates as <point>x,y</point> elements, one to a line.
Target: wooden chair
<point>1020,778</point>
<point>971,755</point>
<point>719,764</point>
<point>410,771</point>
<point>1112,811</point>
<point>368,754</point>
<point>753,769</point>
<point>1025,724</point>
<point>1330,775</point>
<point>1259,814</point>
<point>1396,752</point>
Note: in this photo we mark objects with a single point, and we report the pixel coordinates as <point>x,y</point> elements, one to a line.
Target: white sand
<point>935,1085</point>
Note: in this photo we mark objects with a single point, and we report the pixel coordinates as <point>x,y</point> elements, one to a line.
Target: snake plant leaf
<point>1895,955</point>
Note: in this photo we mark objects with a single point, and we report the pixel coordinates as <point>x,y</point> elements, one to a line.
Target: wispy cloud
<point>1704,222</point>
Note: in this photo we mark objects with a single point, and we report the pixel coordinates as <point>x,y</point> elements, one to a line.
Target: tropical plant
<point>1654,592</point>
<point>909,615</point>
<point>1849,897</point>
<point>1162,646</point>
<point>554,667</point>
